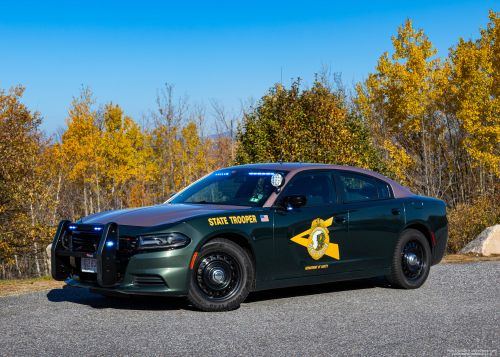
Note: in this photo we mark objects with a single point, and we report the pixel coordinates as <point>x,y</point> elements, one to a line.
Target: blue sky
<point>223,50</point>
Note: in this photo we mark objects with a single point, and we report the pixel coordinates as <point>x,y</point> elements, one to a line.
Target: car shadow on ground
<point>84,297</point>
<point>324,288</point>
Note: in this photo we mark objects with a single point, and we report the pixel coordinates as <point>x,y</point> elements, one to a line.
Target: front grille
<point>89,242</point>
<point>148,280</point>
<point>86,239</point>
<point>127,245</point>
<point>86,242</point>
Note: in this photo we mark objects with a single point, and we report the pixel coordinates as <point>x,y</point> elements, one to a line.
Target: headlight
<point>168,240</point>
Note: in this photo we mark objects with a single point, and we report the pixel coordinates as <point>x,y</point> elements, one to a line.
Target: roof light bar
<point>261,173</point>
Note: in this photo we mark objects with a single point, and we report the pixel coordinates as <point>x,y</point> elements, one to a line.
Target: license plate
<point>89,265</point>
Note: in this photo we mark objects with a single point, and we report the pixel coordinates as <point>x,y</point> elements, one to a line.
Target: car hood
<point>157,215</point>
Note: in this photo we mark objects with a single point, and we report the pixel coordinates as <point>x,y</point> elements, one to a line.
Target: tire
<point>411,262</point>
<point>222,276</point>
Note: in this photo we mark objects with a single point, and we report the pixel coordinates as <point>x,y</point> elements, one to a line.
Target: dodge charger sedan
<point>256,227</point>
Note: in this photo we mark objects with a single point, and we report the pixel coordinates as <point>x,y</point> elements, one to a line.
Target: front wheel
<point>411,262</point>
<point>222,276</point>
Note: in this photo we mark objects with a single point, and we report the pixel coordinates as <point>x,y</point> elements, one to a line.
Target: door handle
<point>340,219</point>
<point>395,211</point>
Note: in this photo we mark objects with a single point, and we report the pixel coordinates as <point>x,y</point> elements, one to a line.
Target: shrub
<point>467,221</point>
<point>315,123</point>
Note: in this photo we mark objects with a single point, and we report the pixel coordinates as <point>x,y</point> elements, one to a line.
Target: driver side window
<point>318,187</point>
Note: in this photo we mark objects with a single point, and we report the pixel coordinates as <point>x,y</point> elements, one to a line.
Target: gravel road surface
<point>457,312</point>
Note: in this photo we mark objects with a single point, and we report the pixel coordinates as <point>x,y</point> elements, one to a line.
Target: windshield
<point>237,187</point>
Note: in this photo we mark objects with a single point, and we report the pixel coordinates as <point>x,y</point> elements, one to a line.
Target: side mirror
<point>294,201</point>
<point>173,194</point>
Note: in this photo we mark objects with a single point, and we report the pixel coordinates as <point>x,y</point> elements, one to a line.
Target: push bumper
<point>162,273</point>
<point>107,272</point>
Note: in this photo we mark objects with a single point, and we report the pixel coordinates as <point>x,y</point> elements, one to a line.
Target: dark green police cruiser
<point>255,227</point>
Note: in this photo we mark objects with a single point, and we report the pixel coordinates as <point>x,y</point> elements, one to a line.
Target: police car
<point>256,227</point>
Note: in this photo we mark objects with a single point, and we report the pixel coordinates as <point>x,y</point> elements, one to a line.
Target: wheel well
<point>242,242</point>
<point>423,229</point>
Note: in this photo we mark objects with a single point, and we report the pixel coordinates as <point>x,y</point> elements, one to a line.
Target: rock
<point>48,250</point>
<point>487,243</point>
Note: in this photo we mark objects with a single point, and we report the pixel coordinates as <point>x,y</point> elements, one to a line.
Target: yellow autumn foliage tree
<point>120,146</point>
<point>473,99</point>
<point>400,103</point>
<point>80,147</point>
<point>437,121</point>
<point>22,181</point>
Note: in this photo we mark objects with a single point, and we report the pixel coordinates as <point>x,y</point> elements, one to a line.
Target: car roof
<point>296,167</point>
<point>287,166</point>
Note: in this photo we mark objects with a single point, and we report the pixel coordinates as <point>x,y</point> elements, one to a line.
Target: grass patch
<point>469,257</point>
<point>14,287</point>
<point>26,281</point>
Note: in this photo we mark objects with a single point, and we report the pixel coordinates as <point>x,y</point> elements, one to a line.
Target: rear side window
<point>363,188</point>
<point>383,189</point>
<point>358,188</point>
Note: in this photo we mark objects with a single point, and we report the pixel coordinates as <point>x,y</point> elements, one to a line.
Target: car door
<point>375,220</point>
<point>312,239</point>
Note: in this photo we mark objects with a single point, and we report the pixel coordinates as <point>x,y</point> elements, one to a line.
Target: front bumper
<point>171,266</point>
<point>162,273</point>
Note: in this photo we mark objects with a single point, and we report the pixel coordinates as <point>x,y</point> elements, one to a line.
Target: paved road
<point>456,311</point>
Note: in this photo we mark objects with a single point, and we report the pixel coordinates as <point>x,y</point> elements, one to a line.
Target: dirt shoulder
<point>468,258</point>
<point>14,287</point>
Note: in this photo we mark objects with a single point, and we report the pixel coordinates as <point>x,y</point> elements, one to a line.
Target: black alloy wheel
<point>411,262</point>
<point>222,276</point>
<point>218,277</point>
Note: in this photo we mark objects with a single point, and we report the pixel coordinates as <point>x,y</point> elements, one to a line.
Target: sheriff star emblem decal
<point>317,240</point>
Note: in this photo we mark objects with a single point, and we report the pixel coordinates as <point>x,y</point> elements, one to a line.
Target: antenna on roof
<point>281,158</point>
<point>300,161</point>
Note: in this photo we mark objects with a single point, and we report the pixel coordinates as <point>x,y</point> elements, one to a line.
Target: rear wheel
<point>222,276</point>
<point>411,262</point>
